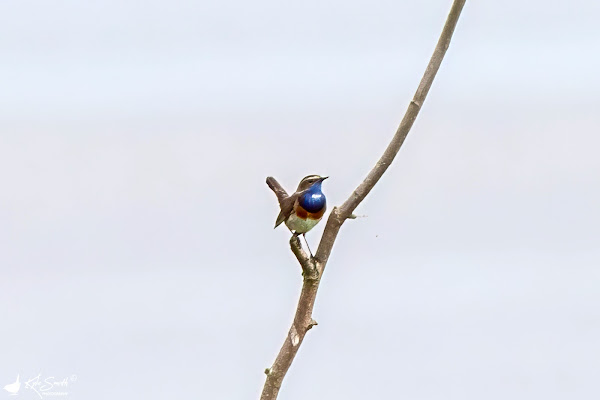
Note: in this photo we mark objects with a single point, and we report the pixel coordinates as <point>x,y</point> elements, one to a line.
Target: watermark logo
<point>49,386</point>
<point>13,388</point>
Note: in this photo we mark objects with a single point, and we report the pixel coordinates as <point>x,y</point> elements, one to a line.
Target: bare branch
<point>313,267</point>
<point>303,322</point>
<point>334,222</point>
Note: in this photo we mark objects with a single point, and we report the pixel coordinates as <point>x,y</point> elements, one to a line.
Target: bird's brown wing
<point>286,202</point>
<point>287,206</point>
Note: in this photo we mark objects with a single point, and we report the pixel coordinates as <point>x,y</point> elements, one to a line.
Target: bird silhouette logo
<point>13,388</point>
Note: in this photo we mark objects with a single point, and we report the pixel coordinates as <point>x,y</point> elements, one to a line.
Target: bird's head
<point>310,180</point>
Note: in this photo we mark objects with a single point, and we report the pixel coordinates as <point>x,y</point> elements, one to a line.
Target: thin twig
<point>303,320</point>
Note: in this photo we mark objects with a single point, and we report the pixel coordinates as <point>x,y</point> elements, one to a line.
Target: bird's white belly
<point>300,225</point>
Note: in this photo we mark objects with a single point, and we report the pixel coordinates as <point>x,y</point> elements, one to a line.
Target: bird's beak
<point>323,178</point>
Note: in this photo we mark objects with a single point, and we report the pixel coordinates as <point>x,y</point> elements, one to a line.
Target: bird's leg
<point>307,246</point>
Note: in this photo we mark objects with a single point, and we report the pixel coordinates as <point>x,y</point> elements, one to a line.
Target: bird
<point>14,387</point>
<point>302,210</point>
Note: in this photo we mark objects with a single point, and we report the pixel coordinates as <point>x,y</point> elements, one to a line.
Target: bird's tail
<point>277,189</point>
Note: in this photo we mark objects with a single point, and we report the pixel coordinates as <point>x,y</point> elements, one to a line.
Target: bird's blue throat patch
<point>313,200</point>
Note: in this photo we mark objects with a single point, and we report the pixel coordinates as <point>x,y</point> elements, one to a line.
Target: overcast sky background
<point>136,241</point>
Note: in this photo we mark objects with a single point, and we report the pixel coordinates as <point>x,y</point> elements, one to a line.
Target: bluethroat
<point>302,210</point>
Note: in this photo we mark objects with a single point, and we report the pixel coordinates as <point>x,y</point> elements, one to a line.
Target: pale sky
<point>136,233</point>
